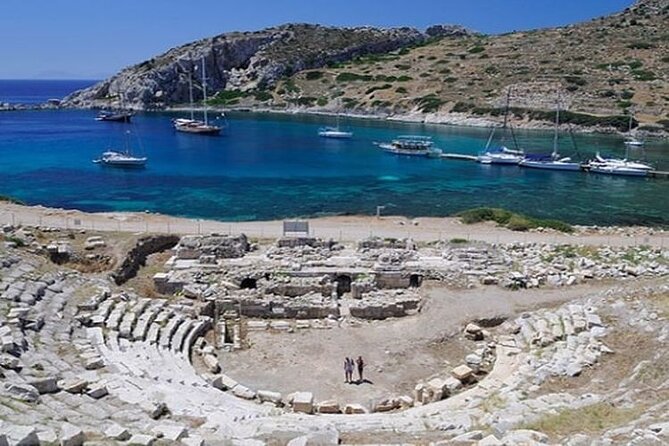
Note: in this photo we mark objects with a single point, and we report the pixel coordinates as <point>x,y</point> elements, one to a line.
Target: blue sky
<point>91,39</point>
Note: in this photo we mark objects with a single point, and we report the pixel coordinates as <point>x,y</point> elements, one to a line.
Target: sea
<point>275,166</point>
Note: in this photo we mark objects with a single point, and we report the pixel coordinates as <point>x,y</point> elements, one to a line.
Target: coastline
<point>343,228</point>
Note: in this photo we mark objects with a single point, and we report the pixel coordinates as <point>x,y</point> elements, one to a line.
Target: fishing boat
<point>192,125</point>
<point>334,132</point>
<point>121,158</point>
<point>411,145</point>
<point>120,115</point>
<point>114,116</point>
<point>553,161</point>
<point>501,154</point>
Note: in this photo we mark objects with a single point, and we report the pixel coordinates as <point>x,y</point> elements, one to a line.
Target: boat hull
<point>336,135</point>
<point>551,165</point>
<point>210,130</point>
<point>620,171</point>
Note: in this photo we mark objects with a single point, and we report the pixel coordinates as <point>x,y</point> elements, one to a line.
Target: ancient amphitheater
<point>117,338</point>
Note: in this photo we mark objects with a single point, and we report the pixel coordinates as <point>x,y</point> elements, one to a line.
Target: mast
<point>557,127</point>
<point>190,95</point>
<point>506,108</point>
<point>204,91</point>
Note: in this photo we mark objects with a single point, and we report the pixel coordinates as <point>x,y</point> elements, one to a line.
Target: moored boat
<point>334,132</point>
<point>120,159</point>
<point>114,116</point>
<point>192,125</point>
<point>411,145</point>
<point>501,154</point>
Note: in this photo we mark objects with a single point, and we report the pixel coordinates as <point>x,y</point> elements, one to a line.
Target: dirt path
<point>398,352</point>
<point>349,229</point>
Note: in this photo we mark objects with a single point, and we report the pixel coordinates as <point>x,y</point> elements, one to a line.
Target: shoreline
<point>342,228</point>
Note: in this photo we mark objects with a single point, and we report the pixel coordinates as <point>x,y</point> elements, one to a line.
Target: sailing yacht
<point>631,140</point>
<point>193,125</point>
<point>501,154</point>
<point>553,161</point>
<point>123,159</point>
<point>334,132</point>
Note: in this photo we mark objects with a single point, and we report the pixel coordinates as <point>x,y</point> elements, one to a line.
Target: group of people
<point>349,365</point>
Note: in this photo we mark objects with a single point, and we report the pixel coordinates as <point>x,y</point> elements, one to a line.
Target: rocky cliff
<point>243,61</point>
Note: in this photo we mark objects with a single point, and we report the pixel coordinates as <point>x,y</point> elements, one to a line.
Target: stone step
<point>169,330</point>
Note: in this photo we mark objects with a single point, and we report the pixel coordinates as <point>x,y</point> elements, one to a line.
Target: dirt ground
<point>399,352</point>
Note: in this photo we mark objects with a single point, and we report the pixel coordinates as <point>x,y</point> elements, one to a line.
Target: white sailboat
<point>500,154</point>
<point>334,132</point>
<point>631,140</point>
<point>553,161</point>
<point>193,125</point>
<point>121,158</point>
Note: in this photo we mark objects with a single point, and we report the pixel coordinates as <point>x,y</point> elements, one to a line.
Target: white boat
<point>192,125</point>
<point>632,141</point>
<point>120,159</point>
<point>334,132</point>
<point>612,169</point>
<point>120,115</point>
<point>411,145</point>
<point>501,154</point>
<point>553,161</point>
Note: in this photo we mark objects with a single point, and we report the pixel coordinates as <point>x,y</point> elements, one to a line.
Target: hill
<point>604,68</point>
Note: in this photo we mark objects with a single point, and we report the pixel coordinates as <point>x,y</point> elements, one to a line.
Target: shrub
<point>378,87</point>
<point>635,64</point>
<point>314,75</point>
<point>404,79</point>
<point>450,80</point>
<point>627,94</point>
<point>459,241</point>
<point>8,199</point>
<point>401,90</point>
<point>644,75</point>
<point>262,96</point>
<point>575,80</point>
<point>403,67</point>
<point>322,102</point>
<point>429,103</point>
<point>513,221</point>
<point>476,49</point>
<point>665,59</point>
<point>353,77</point>
<point>640,45</point>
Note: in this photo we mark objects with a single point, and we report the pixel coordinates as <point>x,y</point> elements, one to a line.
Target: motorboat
<point>120,159</point>
<point>334,132</point>
<point>612,169</point>
<point>114,116</point>
<point>411,145</point>
<point>624,162</point>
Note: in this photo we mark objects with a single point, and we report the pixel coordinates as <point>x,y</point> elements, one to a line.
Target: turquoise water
<point>274,166</point>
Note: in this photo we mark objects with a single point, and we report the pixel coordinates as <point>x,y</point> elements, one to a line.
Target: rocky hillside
<point>604,69</point>
<point>249,61</point>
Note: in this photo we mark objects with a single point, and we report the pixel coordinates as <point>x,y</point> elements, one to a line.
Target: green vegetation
<point>640,45</point>
<point>644,75</point>
<point>8,199</point>
<point>322,102</point>
<point>476,49</point>
<point>401,90</point>
<point>313,75</point>
<point>378,87</point>
<point>511,220</point>
<point>17,241</point>
<point>589,419</point>
<point>459,241</point>
<point>429,103</point>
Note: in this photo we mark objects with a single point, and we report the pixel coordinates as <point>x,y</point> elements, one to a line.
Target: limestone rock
<point>73,385</point>
<point>22,392</point>
<point>303,402</point>
<point>267,396</point>
<point>490,440</point>
<point>170,432</point>
<point>193,440</point>
<point>329,406</point>
<point>97,391</point>
<point>244,392</point>
<point>141,440</point>
<point>354,409</point>
<point>20,435</point>
<point>45,385</point>
<point>211,362</point>
<point>71,435</point>
<point>462,373</point>
<point>116,432</point>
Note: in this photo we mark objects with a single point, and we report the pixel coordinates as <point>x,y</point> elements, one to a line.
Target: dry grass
<point>592,419</point>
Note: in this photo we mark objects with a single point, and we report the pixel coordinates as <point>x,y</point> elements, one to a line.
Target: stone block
<point>97,391</point>
<point>193,440</point>
<point>267,396</point>
<point>141,440</point>
<point>22,392</point>
<point>94,363</point>
<point>452,385</point>
<point>45,385</point>
<point>71,435</point>
<point>463,373</point>
<point>116,432</point>
<point>354,409</point>
<point>20,435</point>
<point>387,405</point>
<point>490,440</point>
<point>211,362</point>
<point>73,385</point>
<point>303,402</point>
<point>329,406</point>
<point>243,392</point>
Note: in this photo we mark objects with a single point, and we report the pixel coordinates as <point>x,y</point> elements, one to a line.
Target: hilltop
<point>604,69</point>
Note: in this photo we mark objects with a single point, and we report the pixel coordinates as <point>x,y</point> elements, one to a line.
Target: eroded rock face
<point>240,61</point>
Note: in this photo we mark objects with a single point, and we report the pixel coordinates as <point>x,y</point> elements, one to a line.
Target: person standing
<point>348,369</point>
<point>361,367</point>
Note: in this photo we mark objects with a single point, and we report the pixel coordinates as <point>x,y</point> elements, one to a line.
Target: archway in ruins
<point>415,280</point>
<point>248,284</point>
<point>343,284</point>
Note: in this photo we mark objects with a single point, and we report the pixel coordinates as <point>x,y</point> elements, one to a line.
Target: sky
<point>92,39</point>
